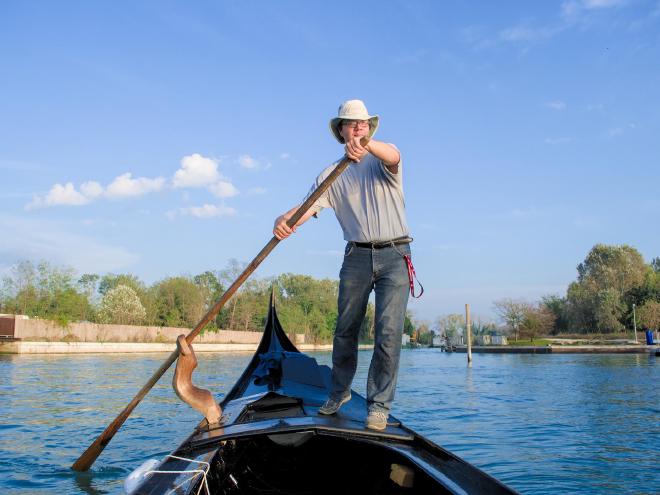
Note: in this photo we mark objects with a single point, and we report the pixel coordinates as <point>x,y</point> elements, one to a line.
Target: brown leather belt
<point>381,245</point>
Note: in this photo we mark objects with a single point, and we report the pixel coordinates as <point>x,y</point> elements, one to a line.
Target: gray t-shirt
<point>367,200</point>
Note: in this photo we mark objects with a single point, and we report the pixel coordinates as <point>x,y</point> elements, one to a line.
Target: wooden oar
<point>90,455</point>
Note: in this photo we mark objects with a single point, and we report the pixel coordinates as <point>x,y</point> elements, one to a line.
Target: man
<point>368,201</point>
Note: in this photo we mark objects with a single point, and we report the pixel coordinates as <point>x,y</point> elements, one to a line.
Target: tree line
<point>615,289</point>
<point>305,304</point>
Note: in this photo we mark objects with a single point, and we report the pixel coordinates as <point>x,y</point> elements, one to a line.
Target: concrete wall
<point>45,330</point>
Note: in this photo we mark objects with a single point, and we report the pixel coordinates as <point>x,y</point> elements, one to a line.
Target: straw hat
<point>353,110</point>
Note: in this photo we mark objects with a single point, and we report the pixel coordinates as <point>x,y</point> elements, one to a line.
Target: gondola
<point>271,440</point>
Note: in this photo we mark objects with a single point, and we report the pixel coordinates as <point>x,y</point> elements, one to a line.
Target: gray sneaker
<point>376,420</point>
<point>331,405</point>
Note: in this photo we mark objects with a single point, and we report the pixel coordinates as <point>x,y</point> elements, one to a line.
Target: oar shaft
<point>85,461</point>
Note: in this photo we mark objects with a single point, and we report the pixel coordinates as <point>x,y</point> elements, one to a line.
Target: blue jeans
<point>363,270</point>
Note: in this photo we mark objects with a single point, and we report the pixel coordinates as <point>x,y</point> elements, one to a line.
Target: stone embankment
<point>36,347</point>
<point>22,335</point>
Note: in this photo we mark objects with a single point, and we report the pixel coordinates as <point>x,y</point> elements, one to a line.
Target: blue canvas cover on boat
<point>275,365</point>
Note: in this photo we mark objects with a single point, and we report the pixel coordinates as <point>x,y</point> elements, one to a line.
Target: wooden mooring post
<point>468,328</point>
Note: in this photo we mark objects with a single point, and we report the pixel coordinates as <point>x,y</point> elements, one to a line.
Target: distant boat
<point>272,440</point>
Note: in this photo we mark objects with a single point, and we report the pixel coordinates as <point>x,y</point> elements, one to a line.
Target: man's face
<point>350,129</point>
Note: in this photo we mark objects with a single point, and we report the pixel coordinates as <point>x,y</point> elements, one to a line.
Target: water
<point>540,423</point>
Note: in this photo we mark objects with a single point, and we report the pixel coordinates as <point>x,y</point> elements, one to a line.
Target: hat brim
<point>334,127</point>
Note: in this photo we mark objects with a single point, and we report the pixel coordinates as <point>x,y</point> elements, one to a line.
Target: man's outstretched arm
<point>386,153</point>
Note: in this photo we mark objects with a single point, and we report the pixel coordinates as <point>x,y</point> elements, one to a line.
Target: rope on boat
<point>195,472</point>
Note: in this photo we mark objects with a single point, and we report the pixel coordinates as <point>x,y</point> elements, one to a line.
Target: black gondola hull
<point>272,440</point>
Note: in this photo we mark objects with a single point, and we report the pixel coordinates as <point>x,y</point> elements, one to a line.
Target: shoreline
<point>573,349</point>
<point>41,347</point>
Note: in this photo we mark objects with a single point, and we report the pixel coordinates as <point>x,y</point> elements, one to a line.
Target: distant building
<point>499,340</point>
<point>405,339</point>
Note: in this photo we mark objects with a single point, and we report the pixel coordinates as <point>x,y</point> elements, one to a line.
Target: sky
<point>163,138</point>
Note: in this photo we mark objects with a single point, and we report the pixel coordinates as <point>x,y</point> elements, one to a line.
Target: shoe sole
<point>378,427</point>
<point>330,413</point>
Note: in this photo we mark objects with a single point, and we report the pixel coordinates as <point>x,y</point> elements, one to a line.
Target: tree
<point>44,291</point>
<point>538,320</point>
<point>451,325</point>
<point>423,333</point>
<point>655,264</point>
<point>309,306</point>
<point>580,308</point>
<point>408,325</point>
<point>211,286</point>
<point>609,281</point>
<point>609,311</point>
<point>110,281</point>
<point>648,315</point>
<point>88,284</point>
<point>619,268</point>
<point>227,277</point>
<point>512,312</point>
<point>146,295</point>
<point>480,327</point>
<point>251,307</point>
<point>558,306</point>
<point>178,302</point>
<point>121,305</point>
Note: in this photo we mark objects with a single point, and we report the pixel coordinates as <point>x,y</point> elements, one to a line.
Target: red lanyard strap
<point>412,276</point>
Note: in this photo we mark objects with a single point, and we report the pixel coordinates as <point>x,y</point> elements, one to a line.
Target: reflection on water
<point>541,423</point>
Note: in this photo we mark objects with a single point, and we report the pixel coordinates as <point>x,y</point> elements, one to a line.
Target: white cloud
<point>91,189</point>
<point>285,156</point>
<point>208,211</point>
<point>556,105</point>
<point>68,195</point>
<point>246,161</point>
<point>223,189</point>
<point>59,195</point>
<point>125,186</point>
<point>196,171</point>
<point>65,195</point>
<point>257,190</point>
